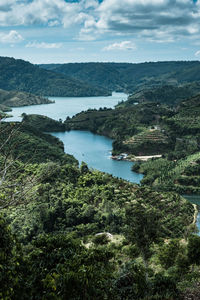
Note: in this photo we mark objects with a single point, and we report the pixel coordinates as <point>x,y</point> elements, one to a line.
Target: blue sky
<point>60,31</point>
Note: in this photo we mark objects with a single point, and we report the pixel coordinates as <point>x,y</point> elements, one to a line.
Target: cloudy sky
<point>45,31</point>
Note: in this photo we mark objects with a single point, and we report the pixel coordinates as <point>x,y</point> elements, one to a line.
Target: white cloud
<point>46,12</point>
<point>5,5</point>
<point>156,20</point>
<point>164,20</point>
<point>125,45</point>
<point>53,23</point>
<point>158,36</point>
<point>197,53</point>
<point>44,45</point>
<point>10,38</point>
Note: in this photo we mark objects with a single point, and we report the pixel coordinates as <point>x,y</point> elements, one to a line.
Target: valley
<point>73,219</point>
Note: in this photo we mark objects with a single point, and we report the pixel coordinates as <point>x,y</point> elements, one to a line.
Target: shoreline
<point>132,158</point>
<point>195,214</point>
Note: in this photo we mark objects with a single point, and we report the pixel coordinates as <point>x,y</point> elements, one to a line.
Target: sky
<point>62,31</point>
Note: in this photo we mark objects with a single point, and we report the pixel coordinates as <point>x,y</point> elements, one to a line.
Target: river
<point>84,145</point>
<point>67,106</point>
<point>93,149</point>
<point>195,199</point>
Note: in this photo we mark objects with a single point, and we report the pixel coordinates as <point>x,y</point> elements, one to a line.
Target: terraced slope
<point>187,118</point>
<point>148,142</point>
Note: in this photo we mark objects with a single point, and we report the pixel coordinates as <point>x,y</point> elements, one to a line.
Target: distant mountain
<point>17,74</point>
<point>104,74</point>
<point>129,77</point>
<point>189,73</point>
<point>15,98</point>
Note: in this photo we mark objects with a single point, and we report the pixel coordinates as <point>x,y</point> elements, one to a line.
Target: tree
<point>130,282</point>
<point>60,267</point>
<point>143,227</point>
<point>10,260</point>
<point>168,253</point>
<point>194,250</point>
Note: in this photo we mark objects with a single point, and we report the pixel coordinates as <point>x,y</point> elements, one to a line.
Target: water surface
<point>95,150</point>
<point>67,106</point>
<point>195,199</point>
<point>91,148</point>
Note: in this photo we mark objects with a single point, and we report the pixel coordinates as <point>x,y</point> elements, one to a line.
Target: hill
<point>25,143</point>
<point>132,128</point>
<point>181,176</point>
<point>146,128</point>
<point>15,98</point>
<point>17,74</point>
<point>74,232</point>
<point>69,232</point>
<point>130,77</point>
<point>42,123</point>
<point>167,94</point>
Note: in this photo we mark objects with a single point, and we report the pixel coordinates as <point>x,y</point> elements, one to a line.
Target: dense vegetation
<point>68,232</point>
<point>21,141</point>
<point>23,76</point>
<point>43,123</point>
<point>152,129</point>
<point>13,99</point>
<point>167,94</point>
<point>61,219</point>
<point>134,129</point>
<point>81,234</point>
<point>129,77</point>
<point>179,169</point>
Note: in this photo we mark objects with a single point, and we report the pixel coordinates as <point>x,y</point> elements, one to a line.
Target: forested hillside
<point>81,234</point>
<point>14,98</point>
<point>130,77</point>
<point>166,94</point>
<point>24,142</point>
<point>42,123</point>
<point>70,232</point>
<point>135,129</point>
<point>179,169</point>
<point>151,129</point>
<point>16,74</point>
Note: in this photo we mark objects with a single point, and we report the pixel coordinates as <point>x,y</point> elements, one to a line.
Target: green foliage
<point>124,125</point>
<point>164,287</point>
<point>168,253</point>
<point>42,123</point>
<point>61,197</point>
<point>24,142</point>
<point>100,239</point>
<point>181,176</point>
<point>167,94</point>
<point>130,283</point>
<point>60,267</point>
<point>64,208</point>
<point>14,98</point>
<point>194,249</point>
<point>23,76</point>
<point>130,77</point>
<point>9,262</point>
<point>143,227</point>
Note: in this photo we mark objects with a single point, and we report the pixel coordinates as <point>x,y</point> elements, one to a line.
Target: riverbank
<point>195,214</point>
<point>133,158</point>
